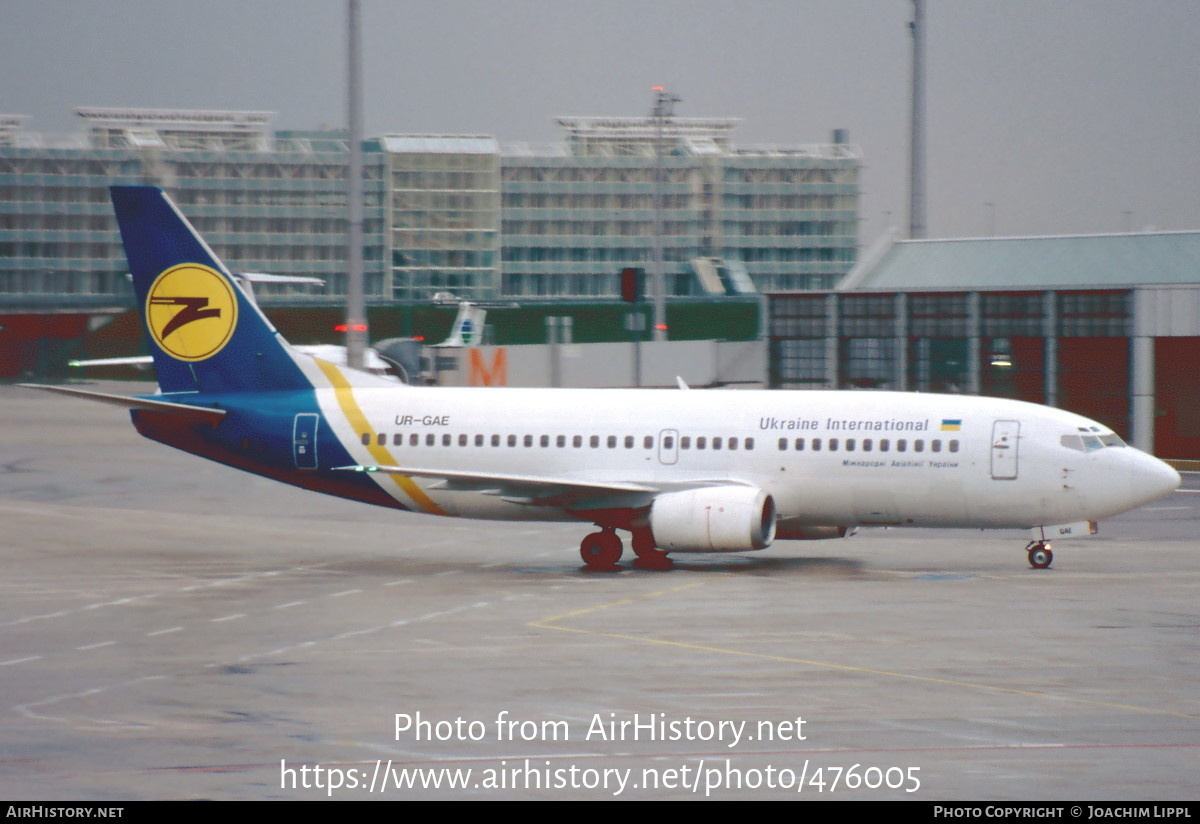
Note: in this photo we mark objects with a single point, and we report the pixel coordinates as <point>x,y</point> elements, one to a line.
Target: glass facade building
<point>459,213</point>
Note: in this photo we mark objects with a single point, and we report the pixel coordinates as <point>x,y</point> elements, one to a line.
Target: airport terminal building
<point>456,213</point>
<point>1105,325</point>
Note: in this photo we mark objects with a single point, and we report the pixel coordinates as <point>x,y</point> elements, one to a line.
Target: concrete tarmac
<point>174,629</point>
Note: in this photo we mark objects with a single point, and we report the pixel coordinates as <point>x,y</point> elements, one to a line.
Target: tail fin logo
<point>191,312</point>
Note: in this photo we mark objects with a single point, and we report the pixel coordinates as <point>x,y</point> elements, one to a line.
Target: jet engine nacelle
<point>713,519</point>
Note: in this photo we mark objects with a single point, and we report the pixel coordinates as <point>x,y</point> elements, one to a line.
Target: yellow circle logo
<point>191,311</point>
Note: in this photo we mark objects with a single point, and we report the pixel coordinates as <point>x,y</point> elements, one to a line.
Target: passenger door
<point>304,441</point>
<point>1006,437</point>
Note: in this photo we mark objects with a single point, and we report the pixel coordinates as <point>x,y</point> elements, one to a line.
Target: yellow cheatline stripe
<point>551,622</point>
<point>358,422</point>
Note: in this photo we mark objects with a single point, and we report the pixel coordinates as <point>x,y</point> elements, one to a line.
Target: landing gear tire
<point>649,556</point>
<point>1040,556</point>
<point>601,550</point>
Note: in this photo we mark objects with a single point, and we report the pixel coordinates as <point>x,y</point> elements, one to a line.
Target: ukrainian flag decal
<point>951,424</point>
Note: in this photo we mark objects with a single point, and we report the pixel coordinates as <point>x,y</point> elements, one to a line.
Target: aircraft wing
<point>195,414</point>
<point>539,490</point>
<point>532,490</point>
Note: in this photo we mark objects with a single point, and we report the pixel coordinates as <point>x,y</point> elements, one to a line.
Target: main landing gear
<point>648,555</point>
<point>601,550</point>
<point>1040,555</point>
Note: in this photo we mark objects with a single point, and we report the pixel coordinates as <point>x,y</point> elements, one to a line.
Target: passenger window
<point>430,439</point>
<point>668,442</point>
<point>479,440</point>
<point>701,442</point>
<point>749,444</point>
<point>918,445</point>
<point>935,446</point>
<point>414,439</point>
<point>495,440</point>
<point>716,443</point>
<point>512,440</point>
<point>462,440</point>
<point>648,442</point>
<point>629,442</point>
<point>866,444</point>
<point>577,441</point>
<point>816,444</point>
<point>883,444</point>
<point>901,445</point>
<point>398,439</point>
<point>594,441</point>
<point>733,443</point>
<point>528,441</point>
<point>381,439</point>
<point>953,446</point>
<point>685,442</point>
<point>833,444</point>
<point>446,439</point>
<point>560,441</point>
<point>849,444</point>
<point>544,441</point>
<point>366,438</point>
<point>783,444</point>
<point>612,441</point>
<point>799,444</point>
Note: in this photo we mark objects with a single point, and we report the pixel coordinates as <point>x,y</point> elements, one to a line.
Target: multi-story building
<point>265,204</point>
<point>457,214</point>
<point>577,213</point>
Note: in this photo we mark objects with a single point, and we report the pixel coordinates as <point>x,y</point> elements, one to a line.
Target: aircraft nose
<point>1153,479</point>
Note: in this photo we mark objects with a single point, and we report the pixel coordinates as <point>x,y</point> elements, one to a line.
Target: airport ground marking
<point>547,623</point>
<point>552,622</point>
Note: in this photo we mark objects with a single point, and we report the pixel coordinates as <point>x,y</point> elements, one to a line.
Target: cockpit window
<point>1090,443</point>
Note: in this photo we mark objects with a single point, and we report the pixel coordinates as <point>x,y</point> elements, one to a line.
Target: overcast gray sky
<point>1065,114</point>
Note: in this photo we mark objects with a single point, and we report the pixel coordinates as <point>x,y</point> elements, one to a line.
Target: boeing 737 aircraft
<point>682,471</point>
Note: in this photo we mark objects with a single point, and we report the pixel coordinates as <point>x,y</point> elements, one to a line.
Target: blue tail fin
<point>205,335</point>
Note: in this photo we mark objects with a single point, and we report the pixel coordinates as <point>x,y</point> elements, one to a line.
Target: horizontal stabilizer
<point>196,414</point>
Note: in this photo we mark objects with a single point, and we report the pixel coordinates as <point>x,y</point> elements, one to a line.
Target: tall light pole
<point>356,310</point>
<point>664,108</point>
<point>916,180</point>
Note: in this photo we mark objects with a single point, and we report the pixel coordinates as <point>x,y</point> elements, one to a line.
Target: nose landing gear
<point>1040,556</point>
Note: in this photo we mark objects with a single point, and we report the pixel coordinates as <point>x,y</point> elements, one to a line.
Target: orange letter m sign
<point>481,375</point>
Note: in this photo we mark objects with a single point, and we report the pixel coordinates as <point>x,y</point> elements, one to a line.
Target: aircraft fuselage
<point>826,458</point>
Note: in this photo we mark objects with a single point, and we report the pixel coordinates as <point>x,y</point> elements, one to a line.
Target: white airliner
<point>682,471</point>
